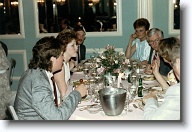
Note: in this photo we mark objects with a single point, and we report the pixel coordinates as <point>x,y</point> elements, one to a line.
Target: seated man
<point>36,98</point>
<point>80,38</point>
<point>170,108</point>
<point>154,36</point>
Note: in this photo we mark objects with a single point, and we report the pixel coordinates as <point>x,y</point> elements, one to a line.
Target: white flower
<point>100,70</point>
<point>121,53</point>
<point>103,57</point>
<point>127,61</point>
<point>98,60</point>
<point>116,61</point>
<point>100,52</point>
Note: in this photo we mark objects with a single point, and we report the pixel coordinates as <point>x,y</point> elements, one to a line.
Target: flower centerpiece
<point>111,61</point>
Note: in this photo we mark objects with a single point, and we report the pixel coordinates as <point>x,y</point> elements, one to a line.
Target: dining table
<point>81,113</point>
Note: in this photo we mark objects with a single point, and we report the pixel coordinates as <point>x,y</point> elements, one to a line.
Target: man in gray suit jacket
<point>35,98</point>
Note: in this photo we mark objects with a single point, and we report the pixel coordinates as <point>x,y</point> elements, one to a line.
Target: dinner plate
<point>76,82</point>
<point>148,78</point>
<point>147,82</point>
<point>81,72</point>
<point>141,69</point>
<point>94,109</point>
<point>157,88</point>
<point>74,70</point>
<point>87,64</point>
<point>147,75</point>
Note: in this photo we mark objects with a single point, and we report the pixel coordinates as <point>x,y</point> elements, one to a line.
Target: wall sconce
<point>14,3</point>
<point>1,4</point>
<point>60,2</point>
<point>95,1</point>
<point>40,1</point>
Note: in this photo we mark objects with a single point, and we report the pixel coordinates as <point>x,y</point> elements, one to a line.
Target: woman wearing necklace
<point>68,38</point>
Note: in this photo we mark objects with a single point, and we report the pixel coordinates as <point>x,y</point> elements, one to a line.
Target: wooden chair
<point>12,64</point>
<point>12,112</point>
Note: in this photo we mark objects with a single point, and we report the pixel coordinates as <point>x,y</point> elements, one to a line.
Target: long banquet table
<point>136,114</point>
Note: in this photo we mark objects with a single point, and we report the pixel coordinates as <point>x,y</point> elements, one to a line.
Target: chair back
<point>12,112</point>
<point>12,64</point>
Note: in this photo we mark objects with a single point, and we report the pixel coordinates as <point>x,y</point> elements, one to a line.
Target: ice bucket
<point>112,100</point>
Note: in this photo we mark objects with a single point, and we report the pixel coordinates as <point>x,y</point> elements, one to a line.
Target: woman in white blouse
<point>68,39</point>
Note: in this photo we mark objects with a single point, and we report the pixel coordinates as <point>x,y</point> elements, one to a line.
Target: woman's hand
<point>155,66</point>
<point>149,95</point>
<point>133,37</point>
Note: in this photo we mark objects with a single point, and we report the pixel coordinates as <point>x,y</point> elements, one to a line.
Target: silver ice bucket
<point>112,100</point>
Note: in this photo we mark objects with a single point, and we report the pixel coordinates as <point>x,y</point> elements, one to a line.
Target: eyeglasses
<point>152,41</point>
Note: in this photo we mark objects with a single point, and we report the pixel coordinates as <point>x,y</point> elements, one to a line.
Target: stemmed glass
<point>127,72</point>
<point>131,93</point>
<point>96,89</point>
<point>86,71</point>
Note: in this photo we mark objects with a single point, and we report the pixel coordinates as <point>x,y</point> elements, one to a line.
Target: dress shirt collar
<point>49,74</point>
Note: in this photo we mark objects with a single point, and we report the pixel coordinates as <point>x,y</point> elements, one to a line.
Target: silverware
<point>135,106</point>
<point>85,106</point>
<point>88,106</point>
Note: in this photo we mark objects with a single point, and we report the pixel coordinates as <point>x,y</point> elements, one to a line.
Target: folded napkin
<point>160,97</point>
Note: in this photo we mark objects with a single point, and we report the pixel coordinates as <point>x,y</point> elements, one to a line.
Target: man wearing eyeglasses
<point>154,35</point>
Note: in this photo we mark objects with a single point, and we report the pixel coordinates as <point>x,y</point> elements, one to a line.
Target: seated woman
<point>138,47</point>
<point>170,107</point>
<point>5,91</point>
<point>165,47</point>
<point>68,38</point>
<point>35,96</point>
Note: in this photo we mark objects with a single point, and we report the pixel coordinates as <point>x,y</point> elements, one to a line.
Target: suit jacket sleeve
<point>169,109</point>
<point>34,100</point>
<point>83,52</point>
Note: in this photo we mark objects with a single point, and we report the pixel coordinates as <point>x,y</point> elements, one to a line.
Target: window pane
<point>94,15</point>
<point>9,14</point>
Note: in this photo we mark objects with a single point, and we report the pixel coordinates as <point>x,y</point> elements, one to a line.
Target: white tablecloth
<point>136,114</point>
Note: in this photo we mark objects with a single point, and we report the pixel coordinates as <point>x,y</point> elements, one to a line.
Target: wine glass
<point>99,84</point>
<point>129,99</point>
<point>86,72</point>
<point>92,58</point>
<point>91,86</point>
<point>131,93</point>
<point>127,72</point>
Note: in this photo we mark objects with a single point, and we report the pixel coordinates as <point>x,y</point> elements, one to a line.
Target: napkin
<point>160,97</point>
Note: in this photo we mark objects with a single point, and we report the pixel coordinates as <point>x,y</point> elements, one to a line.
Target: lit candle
<point>119,79</point>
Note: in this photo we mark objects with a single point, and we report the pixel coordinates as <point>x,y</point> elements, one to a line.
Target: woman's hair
<point>43,50</point>
<point>153,31</point>
<point>175,54</point>
<point>66,36</point>
<point>141,22</point>
<point>166,46</point>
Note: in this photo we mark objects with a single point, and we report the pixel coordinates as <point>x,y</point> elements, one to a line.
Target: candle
<point>119,79</point>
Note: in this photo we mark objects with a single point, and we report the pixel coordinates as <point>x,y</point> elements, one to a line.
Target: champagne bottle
<point>140,88</point>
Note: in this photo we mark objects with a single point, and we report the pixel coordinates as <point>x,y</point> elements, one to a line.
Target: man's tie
<point>79,54</point>
<point>55,92</point>
<point>155,56</point>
